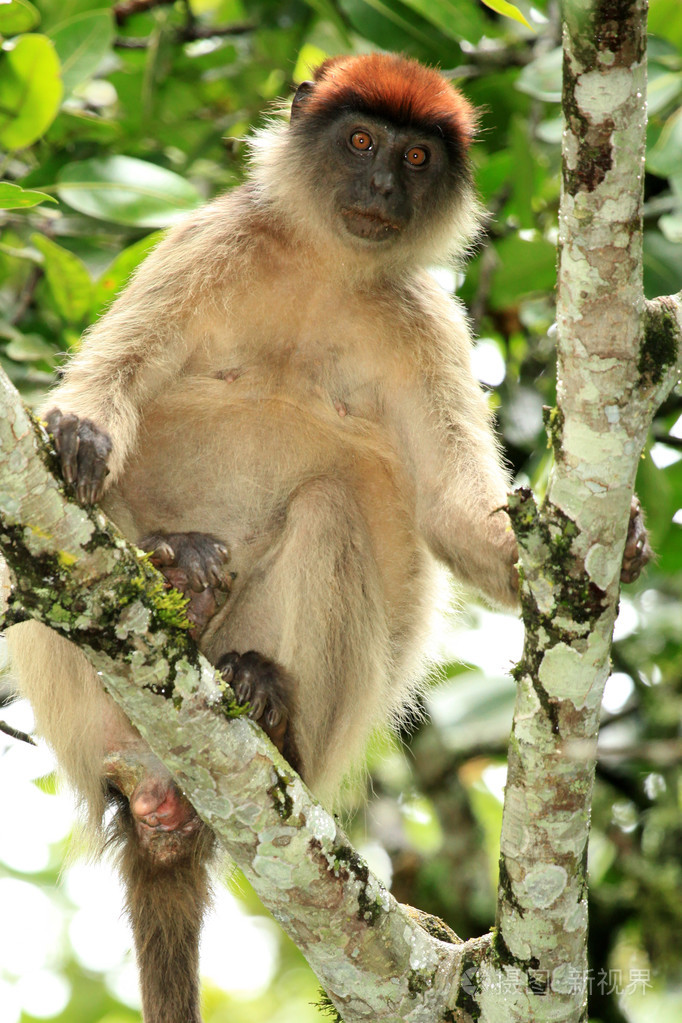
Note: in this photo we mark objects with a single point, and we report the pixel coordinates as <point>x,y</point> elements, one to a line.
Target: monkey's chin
<point>371,227</point>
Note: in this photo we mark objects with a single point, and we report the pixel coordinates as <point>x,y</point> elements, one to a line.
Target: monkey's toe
<point>200,556</point>
<point>195,564</point>
<point>268,690</point>
<point>637,552</point>
<point>163,818</point>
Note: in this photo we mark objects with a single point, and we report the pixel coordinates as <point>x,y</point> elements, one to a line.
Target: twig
<point>127,8</point>
<point>27,294</point>
<point>188,34</point>
<point>16,734</point>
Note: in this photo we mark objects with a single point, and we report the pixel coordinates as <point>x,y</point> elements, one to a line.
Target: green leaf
<point>665,19</point>
<point>663,88</point>
<point>395,26</point>
<point>47,784</point>
<point>117,275</point>
<point>472,709</point>
<point>127,191</point>
<point>454,19</point>
<point>74,126</point>
<point>67,277</point>
<point>81,43</point>
<point>507,10</point>
<point>523,178</point>
<point>666,155</point>
<point>525,265</point>
<point>662,265</point>
<point>13,197</point>
<point>29,348</point>
<point>30,90</point>
<point>17,16</point>
<point>671,226</point>
<point>542,77</point>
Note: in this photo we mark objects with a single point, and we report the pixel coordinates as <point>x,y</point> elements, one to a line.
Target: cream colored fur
<point>311,402</point>
<point>307,398</point>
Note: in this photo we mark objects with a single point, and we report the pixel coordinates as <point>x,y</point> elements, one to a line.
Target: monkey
<point>281,410</point>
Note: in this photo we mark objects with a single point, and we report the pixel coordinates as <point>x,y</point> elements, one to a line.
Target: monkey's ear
<point>300,97</point>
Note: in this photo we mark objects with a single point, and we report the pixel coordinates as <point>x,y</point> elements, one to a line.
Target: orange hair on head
<point>397,88</point>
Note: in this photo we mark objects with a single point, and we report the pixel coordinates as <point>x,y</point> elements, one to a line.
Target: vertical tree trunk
<point>572,546</point>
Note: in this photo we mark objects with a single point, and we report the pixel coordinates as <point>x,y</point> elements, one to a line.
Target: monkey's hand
<point>83,450</point>
<point>269,692</point>
<point>193,563</point>
<point>637,551</point>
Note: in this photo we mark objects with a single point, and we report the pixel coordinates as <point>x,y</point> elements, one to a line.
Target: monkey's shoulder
<point>223,240</point>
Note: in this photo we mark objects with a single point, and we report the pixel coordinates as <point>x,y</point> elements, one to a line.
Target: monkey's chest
<point>239,447</point>
<point>318,379</point>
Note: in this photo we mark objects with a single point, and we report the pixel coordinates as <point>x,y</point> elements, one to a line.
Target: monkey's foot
<point>83,451</point>
<point>269,692</point>
<point>162,817</point>
<point>193,563</point>
<point>637,551</point>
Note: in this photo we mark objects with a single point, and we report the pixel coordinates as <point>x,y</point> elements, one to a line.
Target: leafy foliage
<point>112,127</point>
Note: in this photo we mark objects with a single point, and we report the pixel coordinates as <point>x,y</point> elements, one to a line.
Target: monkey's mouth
<point>369,224</point>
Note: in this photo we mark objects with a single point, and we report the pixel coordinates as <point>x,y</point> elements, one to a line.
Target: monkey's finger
<point>197,576</point>
<point>64,429</point>
<point>273,718</point>
<point>94,448</point>
<point>227,666</point>
<point>205,558</point>
<point>217,576</point>
<point>160,549</point>
<point>162,553</point>
<point>242,686</point>
<point>258,702</point>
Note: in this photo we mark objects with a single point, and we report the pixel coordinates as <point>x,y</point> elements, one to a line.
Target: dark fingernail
<point>242,692</point>
<point>257,706</point>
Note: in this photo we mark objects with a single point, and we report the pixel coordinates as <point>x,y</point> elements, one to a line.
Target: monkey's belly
<point>211,460</point>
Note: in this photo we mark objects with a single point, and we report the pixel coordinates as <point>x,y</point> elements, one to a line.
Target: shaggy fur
<point>308,400</point>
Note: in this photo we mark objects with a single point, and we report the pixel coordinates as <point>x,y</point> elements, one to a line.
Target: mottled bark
<point>617,358</point>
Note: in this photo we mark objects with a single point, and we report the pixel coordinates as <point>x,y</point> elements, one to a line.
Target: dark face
<point>382,180</point>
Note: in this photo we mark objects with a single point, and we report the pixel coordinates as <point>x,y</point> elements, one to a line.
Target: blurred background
<point>125,117</point>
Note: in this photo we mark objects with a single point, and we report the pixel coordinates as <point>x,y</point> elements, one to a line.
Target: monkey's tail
<point>166,900</point>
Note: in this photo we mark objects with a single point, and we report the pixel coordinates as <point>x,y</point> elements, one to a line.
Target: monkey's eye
<point>417,156</point>
<point>361,140</point>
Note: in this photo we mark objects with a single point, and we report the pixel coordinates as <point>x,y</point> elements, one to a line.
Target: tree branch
<point>15,733</point>
<point>611,376</point>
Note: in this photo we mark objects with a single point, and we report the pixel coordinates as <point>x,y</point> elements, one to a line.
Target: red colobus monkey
<point>283,396</point>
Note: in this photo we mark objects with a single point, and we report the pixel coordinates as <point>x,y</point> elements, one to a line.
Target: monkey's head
<point>375,156</point>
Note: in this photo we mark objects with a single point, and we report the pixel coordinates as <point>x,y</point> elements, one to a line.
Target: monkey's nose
<point>382,182</point>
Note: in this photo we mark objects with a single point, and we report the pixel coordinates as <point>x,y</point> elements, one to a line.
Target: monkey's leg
<point>314,607</point>
<point>164,857</point>
<point>165,849</point>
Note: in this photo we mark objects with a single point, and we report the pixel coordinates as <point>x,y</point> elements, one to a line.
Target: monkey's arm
<point>140,344</point>
<point>444,433</point>
<point>461,492</point>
